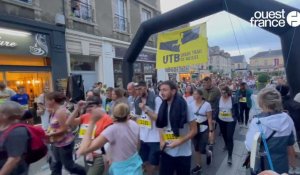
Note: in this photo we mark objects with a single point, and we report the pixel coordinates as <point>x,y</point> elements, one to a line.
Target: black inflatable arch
<point>202,8</point>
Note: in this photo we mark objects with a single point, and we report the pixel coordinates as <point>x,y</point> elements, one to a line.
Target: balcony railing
<point>121,23</point>
<point>82,10</point>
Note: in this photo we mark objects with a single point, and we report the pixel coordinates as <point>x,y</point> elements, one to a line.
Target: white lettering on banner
<point>7,43</point>
<point>275,19</point>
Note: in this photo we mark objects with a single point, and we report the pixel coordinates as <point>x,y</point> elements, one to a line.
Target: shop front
<point>144,67</point>
<point>32,54</point>
<point>186,73</point>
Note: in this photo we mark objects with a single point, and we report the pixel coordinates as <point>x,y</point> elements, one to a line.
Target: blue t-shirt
<point>22,99</point>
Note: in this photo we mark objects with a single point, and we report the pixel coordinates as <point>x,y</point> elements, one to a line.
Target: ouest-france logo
<point>275,19</point>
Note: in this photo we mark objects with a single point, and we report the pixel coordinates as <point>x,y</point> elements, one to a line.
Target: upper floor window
<point>82,9</point>
<point>25,1</point>
<point>146,14</point>
<point>120,16</point>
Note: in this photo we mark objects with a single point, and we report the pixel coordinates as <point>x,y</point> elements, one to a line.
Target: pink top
<point>68,136</point>
<point>123,139</point>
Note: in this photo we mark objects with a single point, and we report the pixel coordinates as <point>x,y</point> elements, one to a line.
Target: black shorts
<point>150,152</point>
<point>200,142</point>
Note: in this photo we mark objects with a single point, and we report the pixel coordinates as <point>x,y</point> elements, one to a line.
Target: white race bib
<point>83,130</point>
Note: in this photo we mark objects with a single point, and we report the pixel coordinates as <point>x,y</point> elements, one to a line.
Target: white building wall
<point>107,63</point>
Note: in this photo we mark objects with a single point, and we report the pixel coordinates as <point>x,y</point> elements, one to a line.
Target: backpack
<point>37,149</point>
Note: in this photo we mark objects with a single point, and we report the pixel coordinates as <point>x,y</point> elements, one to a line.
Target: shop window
<point>149,68</point>
<point>82,9</point>
<point>138,68</point>
<point>117,66</point>
<point>1,77</point>
<point>34,82</point>
<point>83,63</point>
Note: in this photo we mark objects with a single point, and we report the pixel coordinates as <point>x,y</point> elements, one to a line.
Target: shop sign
<point>36,44</point>
<point>184,69</point>
<point>144,56</point>
<point>183,47</point>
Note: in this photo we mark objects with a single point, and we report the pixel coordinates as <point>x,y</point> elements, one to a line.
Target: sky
<point>220,32</point>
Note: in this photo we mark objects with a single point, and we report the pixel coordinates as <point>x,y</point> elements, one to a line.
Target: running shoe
<point>291,171</point>
<point>208,157</point>
<point>229,161</point>
<point>196,170</point>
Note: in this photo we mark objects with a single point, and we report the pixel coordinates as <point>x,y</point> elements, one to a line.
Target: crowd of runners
<point>159,130</point>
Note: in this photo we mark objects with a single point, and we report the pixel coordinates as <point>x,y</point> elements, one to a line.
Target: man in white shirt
<point>177,126</point>
<point>146,108</point>
<point>5,93</point>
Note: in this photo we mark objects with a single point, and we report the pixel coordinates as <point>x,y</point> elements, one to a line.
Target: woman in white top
<point>188,95</point>
<point>203,114</point>
<point>123,137</point>
<point>227,120</point>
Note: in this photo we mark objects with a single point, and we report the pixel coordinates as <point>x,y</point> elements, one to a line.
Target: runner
<point>177,127</point>
<point>15,145</point>
<point>245,103</point>
<point>108,100</point>
<point>146,108</point>
<point>60,136</point>
<point>42,111</point>
<point>227,120</point>
<point>212,95</point>
<point>188,95</point>
<point>95,158</point>
<point>132,95</point>
<point>117,97</point>
<point>123,137</point>
<point>277,128</point>
<point>202,111</point>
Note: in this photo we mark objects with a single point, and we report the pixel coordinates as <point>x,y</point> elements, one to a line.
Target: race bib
<point>25,107</point>
<point>225,115</point>
<point>107,108</point>
<point>83,130</point>
<point>144,122</point>
<point>169,136</point>
<point>243,100</point>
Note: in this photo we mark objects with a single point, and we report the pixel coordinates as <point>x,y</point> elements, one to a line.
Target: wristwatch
<point>211,130</point>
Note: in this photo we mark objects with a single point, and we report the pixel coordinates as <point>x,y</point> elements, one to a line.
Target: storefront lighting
<point>28,82</point>
<point>36,81</point>
<point>14,32</point>
<point>18,82</point>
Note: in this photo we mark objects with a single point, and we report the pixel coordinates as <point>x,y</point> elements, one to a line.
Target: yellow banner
<point>187,46</point>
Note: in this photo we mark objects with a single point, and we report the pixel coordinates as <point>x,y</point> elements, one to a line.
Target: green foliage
<point>263,78</point>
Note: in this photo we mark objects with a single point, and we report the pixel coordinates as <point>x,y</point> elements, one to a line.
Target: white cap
<point>297,98</point>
